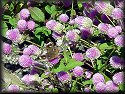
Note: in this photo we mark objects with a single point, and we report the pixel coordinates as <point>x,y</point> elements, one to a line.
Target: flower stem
<point>90,45</point>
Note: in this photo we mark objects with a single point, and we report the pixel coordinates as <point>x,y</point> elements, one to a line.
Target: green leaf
<point>48,9</point>
<point>13,22</point>
<point>96,32</point>
<point>59,67</point>
<point>6,17</point>
<point>104,46</point>
<point>44,76</point>
<point>55,90</point>
<point>53,8</point>
<point>11,7</point>
<point>73,89</point>
<point>73,63</point>
<point>99,63</point>
<point>37,14</point>
<point>87,82</point>
<point>121,87</point>
<point>106,77</point>
<point>4,29</point>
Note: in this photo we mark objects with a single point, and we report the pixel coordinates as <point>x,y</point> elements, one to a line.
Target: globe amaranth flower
<point>79,20</point>
<point>78,71</point>
<point>22,25</point>
<point>117,13</point>
<point>56,35</point>
<point>78,56</point>
<point>25,61</point>
<point>31,25</point>
<point>88,74</point>
<point>116,62</point>
<point>7,48</point>
<point>87,89</point>
<point>118,78</point>
<point>111,87</point>
<point>97,77</point>
<point>24,14</point>
<point>51,24</point>
<point>100,87</point>
<point>93,53</point>
<point>63,76</point>
<point>58,28</point>
<point>27,51</point>
<point>63,18</point>
<point>112,32</point>
<point>85,33</point>
<point>13,35</point>
<point>103,27</point>
<point>72,21</point>
<point>119,40</point>
<point>54,61</point>
<point>13,88</point>
<point>119,28</point>
<point>35,49</point>
<point>72,36</point>
<point>30,79</point>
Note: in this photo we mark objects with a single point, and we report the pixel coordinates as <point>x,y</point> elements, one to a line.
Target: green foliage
<point>37,14</point>
<point>104,46</point>
<point>87,82</point>
<point>4,29</point>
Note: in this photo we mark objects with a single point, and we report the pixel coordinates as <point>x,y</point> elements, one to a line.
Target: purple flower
<point>51,24</point>
<point>119,28</point>
<point>25,61</point>
<point>67,3</point>
<point>27,79</point>
<point>88,74</point>
<point>22,25</point>
<point>78,56</point>
<point>35,49</point>
<point>63,18</point>
<point>71,22</point>
<point>111,87</point>
<point>87,89</point>
<point>56,35</point>
<point>97,77</point>
<point>63,76</point>
<point>103,27</point>
<point>119,40</point>
<point>13,88</point>
<point>85,33</point>
<point>54,61</point>
<point>93,53</point>
<point>116,62</point>
<point>72,36</point>
<point>27,51</point>
<point>118,78</point>
<point>7,48</point>
<point>112,32</point>
<point>31,25</point>
<point>117,13</point>
<point>13,35</point>
<point>100,87</point>
<point>24,14</point>
<point>78,71</point>
<point>93,13</point>
<point>79,20</point>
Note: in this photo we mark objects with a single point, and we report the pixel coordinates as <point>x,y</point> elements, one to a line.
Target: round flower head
<point>72,36</point>
<point>79,20</point>
<point>31,25</point>
<point>88,74</point>
<point>112,32</point>
<point>51,24</point>
<point>35,49</point>
<point>119,28</point>
<point>118,78</point>
<point>54,61</point>
<point>27,79</point>
<point>63,76</point>
<point>7,48</point>
<point>13,88</point>
<point>85,33</point>
<point>27,51</point>
<point>87,89</point>
<point>111,87</point>
<point>93,53</point>
<point>119,40</point>
<point>103,27</point>
<point>78,71</point>
<point>93,13</point>
<point>117,13</point>
<point>56,35</point>
<point>87,22</point>
<point>22,25</point>
<point>63,18</point>
<point>13,34</point>
<point>25,61</point>
<point>78,56</point>
<point>116,62</point>
<point>24,14</point>
<point>108,9</point>
<point>100,87</point>
<point>97,77</point>
<point>58,28</point>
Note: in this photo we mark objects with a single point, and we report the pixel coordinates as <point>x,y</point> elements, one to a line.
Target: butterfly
<point>50,52</point>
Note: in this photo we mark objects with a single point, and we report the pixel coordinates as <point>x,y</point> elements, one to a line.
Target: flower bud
<point>63,18</point>
<point>24,14</point>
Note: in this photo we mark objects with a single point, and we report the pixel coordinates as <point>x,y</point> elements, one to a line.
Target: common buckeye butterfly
<point>50,52</point>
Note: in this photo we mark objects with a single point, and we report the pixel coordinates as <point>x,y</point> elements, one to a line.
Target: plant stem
<point>34,43</point>
<point>78,82</point>
<point>90,45</point>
